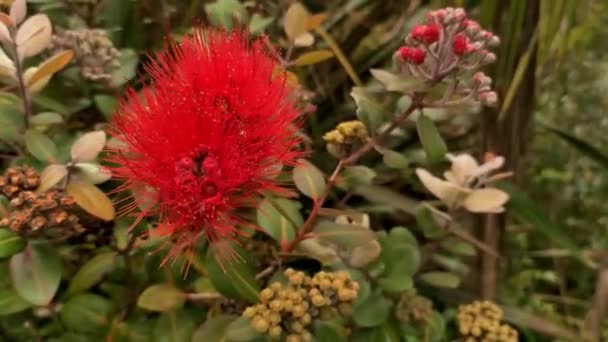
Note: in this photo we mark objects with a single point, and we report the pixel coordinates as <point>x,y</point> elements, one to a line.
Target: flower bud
<point>404,52</point>
<point>459,15</point>
<point>488,98</point>
<point>489,58</point>
<point>431,34</point>
<point>417,56</point>
<point>481,80</point>
<point>460,45</point>
<point>472,28</point>
<point>494,41</point>
<point>417,32</point>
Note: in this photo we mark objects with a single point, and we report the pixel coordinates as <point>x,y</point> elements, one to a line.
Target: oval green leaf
<point>373,311</point>
<point>161,297</point>
<point>432,142</point>
<point>36,273</point>
<point>214,329</point>
<point>280,218</point>
<point>11,303</point>
<point>10,243</point>
<point>92,272</point>
<point>232,277</point>
<point>86,313</point>
<point>313,57</point>
<point>40,146</point>
<point>309,179</point>
<point>441,279</point>
<point>240,330</point>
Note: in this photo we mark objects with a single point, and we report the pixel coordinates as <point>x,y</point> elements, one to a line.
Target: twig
<point>23,92</point>
<point>203,296</point>
<point>599,309</point>
<point>353,158</point>
<point>265,272</point>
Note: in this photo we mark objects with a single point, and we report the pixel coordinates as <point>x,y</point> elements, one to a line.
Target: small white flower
<point>463,183</point>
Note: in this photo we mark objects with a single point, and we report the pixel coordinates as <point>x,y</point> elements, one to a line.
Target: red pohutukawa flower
<point>209,135</point>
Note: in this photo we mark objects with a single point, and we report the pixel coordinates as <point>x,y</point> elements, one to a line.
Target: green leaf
<point>278,216</point>
<point>384,195</point>
<point>393,159</point>
<point>232,278</point>
<point>309,179</point>
<point>403,235</point>
<point>40,146</point>
<point>441,279</point>
<point>11,303</point>
<point>174,327</point>
<point>384,333</point>
<point>128,61</point>
<point>10,243</point>
<point>427,222</point>
<point>46,119</point>
<point>329,331</point>
<point>222,12</point>
<point>257,23</point>
<point>50,104</point>
<point>401,260</point>
<point>459,247</point>
<point>313,57</point>
<point>92,272</point>
<point>344,235</point>
<point>214,329</point>
<point>434,146</point>
<point>525,210</point>
<point>11,122</point>
<point>86,313</point>
<point>161,297</point>
<point>358,175</point>
<point>368,111</point>
<point>240,330</point>
<point>397,82</point>
<point>373,311</point>
<point>579,144</point>
<point>36,273</point>
<point>106,104</point>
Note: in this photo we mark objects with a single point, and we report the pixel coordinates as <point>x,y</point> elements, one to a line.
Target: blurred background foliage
<point>552,79</point>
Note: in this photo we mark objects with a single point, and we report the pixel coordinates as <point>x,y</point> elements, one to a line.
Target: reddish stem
<point>305,230</point>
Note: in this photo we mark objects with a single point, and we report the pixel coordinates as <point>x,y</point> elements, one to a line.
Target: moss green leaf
<point>161,297</point>
<point>432,142</point>
<point>10,243</point>
<point>232,277</point>
<point>92,272</point>
<point>86,313</point>
<point>309,179</point>
<point>40,146</point>
<point>36,272</point>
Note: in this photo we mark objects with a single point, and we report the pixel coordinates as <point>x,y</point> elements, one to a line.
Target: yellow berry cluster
<point>290,309</point>
<point>480,321</point>
<point>346,132</point>
<point>414,309</point>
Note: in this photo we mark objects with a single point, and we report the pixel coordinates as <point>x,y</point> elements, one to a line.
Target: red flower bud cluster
<point>447,41</point>
<point>447,47</point>
<point>412,55</point>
